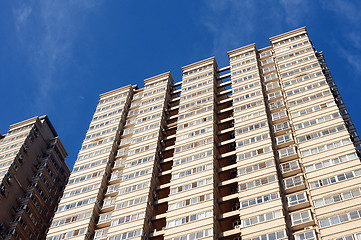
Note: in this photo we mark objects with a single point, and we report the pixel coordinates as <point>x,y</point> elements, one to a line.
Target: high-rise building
<point>33,175</point>
<point>262,149</point>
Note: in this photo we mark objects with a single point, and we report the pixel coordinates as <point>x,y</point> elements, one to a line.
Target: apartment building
<point>262,149</point>
<point>33,175</point>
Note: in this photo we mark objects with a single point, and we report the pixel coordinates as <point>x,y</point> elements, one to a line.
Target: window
<point>244,70</point>
<point>199,111</point>
<point>252,140</point>
<point>337,197</point>
<point>301,217</point>
<point>310,98</point>
<point>281,126</point>
<point>265,54</point>
<point>107,217</point>
<point>196,122</point>
<point>193,145</point>
<point>285,152</point>
<point>89,165</point>
<point>250,116</point>
<point>140,95</point>
<point>309,235</point>
<point>133,188</point>
<point>279,115</point>
<point>270,77</point>
<point>270,236</point>
<point>290,73</point>
<point>77,204</point>
<point>345,217</point>
<point>257,182</point>
<point>191,218</point>
<point>249,95</point>
<point>321,133</point>
<point>113,98</point>
<point>152,100</point>
<point>356,236</point>
<point>324,148</point>
<point>284,138</point>
<point>139,161</point>
<point>83,178</point>
<point>242,55</point>
<point>137,140</point>
<point>335,179</point>
<point>107,115</point>
<point>301,60</point>
<point>267,61</point>
<point>330,162</point>
<point>94,154</point>
<point>255,167</point>
<point>305,78</point>
<point>262,218</point>
<point>131,202</point>
<point>197,85</point>
<point>191,185</point>
<point>71,219</point>
<point>110,106</point>
<point>316,121</point>
<point>249,105</point>
<point>109,202</point>
<point>243,62</point>
<point>151,126</point>
<point>252,127</point>
<point>195,133</point>
<point>128,218</point>
<point>196,235</point>
<point>116,175</point>
<point>127,235</point>
<point>199,102</point>
<point>139,120</point>
<point>259,200</point>
<point>253,153</point>
<point>190,201</point>
<point>197,70</point>
<point>193,157</point>
<point>293,181</point>
<point>192,171</point>
<point>290,40</point>
<point>142,149</point>
<point>277,104</point>
<point>101,233</point>
<point>136,174</point>
<point>240,89</point>
<point>297,199</point>
<point>289,166</point>
<point>274,95</point>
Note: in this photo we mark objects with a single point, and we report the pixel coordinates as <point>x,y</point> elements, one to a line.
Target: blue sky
<point>56,57</point>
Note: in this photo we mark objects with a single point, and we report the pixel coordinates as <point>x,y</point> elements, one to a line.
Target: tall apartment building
<point>262,149</point>
<point>33,175</point>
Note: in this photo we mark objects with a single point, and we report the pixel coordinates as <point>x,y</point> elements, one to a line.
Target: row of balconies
<point>293,181</point>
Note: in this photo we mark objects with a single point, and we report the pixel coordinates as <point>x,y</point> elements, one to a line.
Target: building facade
<point>33,175</point>
<point>262,149</point>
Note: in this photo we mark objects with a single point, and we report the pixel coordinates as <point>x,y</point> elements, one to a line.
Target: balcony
<point>290,168</point>
<point>300,220</point>
<point>294,184</point>
<point>297,201</point>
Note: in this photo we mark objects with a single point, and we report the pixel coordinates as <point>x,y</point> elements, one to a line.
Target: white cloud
<point>295,11</point>
<point>347,13</point>
<point>22,14</point>
<point>46,31</point>
<point>232,29</point>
